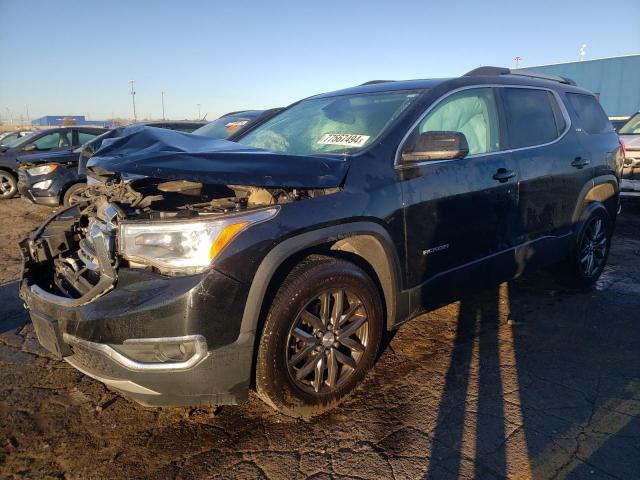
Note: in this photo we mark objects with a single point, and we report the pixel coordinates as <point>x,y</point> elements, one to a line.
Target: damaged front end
<point>170,227</point>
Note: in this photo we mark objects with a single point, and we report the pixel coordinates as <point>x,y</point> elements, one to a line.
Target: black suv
<point>197,269</point>
<point>43,142</point>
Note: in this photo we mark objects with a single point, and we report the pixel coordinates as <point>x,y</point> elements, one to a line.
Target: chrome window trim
<point>398,164</point>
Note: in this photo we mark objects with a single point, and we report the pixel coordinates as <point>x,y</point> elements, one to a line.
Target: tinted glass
<point>85,137</point>
<point>224,126</point>
<point>471,112</point>
<point>632,126</point>
<point>337,125</point>
<point>530,117</point>
<point>590,113</point>
<point>53,140</point>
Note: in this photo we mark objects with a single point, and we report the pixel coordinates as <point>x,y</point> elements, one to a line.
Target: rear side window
<point>590,113</point>
<point>530,117</point>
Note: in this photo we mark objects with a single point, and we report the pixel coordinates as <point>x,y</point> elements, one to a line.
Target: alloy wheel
<point>327,341</point>
<point>593,249</point>
<point>6,186</point>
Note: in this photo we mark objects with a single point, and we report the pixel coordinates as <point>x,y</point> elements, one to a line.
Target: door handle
<point>502,175</point>
<point>580,162</point>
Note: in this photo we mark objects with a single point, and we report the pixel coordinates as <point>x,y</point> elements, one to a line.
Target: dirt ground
<point>524,380</point>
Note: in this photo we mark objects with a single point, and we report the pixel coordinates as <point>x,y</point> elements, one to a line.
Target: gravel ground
<point>524,380</point>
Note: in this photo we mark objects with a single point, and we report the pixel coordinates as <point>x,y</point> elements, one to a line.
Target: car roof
<point>479,76</point>
<point>376,86</point>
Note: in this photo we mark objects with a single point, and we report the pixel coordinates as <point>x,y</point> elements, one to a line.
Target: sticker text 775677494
<point>344,139</point>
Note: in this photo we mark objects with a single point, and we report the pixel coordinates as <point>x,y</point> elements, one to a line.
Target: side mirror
<point>436,146</point>
<point>29,147</point>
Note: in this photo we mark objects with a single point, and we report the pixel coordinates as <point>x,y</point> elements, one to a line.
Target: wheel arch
<point>368,243</point>
<point>600,191</point>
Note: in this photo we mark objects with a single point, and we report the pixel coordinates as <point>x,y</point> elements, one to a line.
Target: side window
<point>84,137</point>
<point>590,113</point>
<point>472,112</point>
<point>53,140</point>
<point>530,117</point>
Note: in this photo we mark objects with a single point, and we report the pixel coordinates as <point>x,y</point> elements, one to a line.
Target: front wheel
<point>588,258</point>
<point>320,337</point>
<point>74,195</point>
<point>8,185</point>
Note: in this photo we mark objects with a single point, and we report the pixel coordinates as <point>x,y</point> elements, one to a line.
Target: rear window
<point>530,117</point>
<point>590,113</point>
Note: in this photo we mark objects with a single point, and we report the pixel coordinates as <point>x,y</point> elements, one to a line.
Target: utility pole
<point>133,99</point>
<point>162,93</point>
<point>517,59</point>
<point>198,111</point>
<point>28,118</point>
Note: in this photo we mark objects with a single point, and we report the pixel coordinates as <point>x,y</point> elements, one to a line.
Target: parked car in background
<point>226,126</point>
<point>630,136</point>
<point>9,137</point>
<point>198,269</point>
<point>49,141</point>
<point>52,178</point>
<point>618,122</point>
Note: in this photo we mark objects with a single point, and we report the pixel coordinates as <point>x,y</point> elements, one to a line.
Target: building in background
<point>57,120</point>
<point>616,81</point>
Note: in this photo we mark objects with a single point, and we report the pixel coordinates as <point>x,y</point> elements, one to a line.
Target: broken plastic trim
<point>198,341</point>
<point>107,279</point>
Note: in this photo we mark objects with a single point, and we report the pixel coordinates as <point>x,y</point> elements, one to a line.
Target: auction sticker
<point>344,139</point>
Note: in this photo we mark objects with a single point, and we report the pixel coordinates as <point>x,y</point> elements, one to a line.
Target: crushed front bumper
<point>202,310</point>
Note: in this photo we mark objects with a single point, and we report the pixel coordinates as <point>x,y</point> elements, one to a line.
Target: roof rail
<point>373,82</point>
<point>491,71</point>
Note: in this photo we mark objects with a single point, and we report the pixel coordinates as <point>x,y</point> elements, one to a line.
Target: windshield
<point>336,125</point>
<point>19,141</point>
<point>225,126</point>
<point>632,127</point>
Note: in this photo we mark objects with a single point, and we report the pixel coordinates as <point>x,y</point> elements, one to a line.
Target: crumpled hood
<point>171,155</point>
<point>631,142</point>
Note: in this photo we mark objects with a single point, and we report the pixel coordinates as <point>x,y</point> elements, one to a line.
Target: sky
<point>76,57</point>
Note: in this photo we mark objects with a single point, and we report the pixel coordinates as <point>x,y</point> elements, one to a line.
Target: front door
<point>460,214</point>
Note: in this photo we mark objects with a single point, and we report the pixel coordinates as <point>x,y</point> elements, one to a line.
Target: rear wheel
<point>8,185</point>
<point>321,336</point>
<point>73,195</point>
<point>589,255</point>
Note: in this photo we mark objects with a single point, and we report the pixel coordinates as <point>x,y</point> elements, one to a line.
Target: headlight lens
<point>185,246</point>
<point>43,169</point>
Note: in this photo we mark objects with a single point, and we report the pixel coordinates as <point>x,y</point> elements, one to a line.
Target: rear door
<point>553,165</point>
<point>459,213</point>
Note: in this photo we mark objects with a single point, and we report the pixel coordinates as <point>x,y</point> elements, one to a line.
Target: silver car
<point>630,137</point>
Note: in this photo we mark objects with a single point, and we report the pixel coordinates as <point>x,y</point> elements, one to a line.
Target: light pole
<point>517,59</point>
<point>133,100</point>
<point>162,93</point>
<point>27,107</point>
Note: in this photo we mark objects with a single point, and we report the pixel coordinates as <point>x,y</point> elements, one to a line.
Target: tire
<point>8,185</point>
<point>290,342</point>
<point>70,196</point>
<point>588,256</point>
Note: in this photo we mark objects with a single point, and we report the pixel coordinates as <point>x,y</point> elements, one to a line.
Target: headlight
<point>43,169</point>
<point>42,185</point>
<point>185,246</point>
